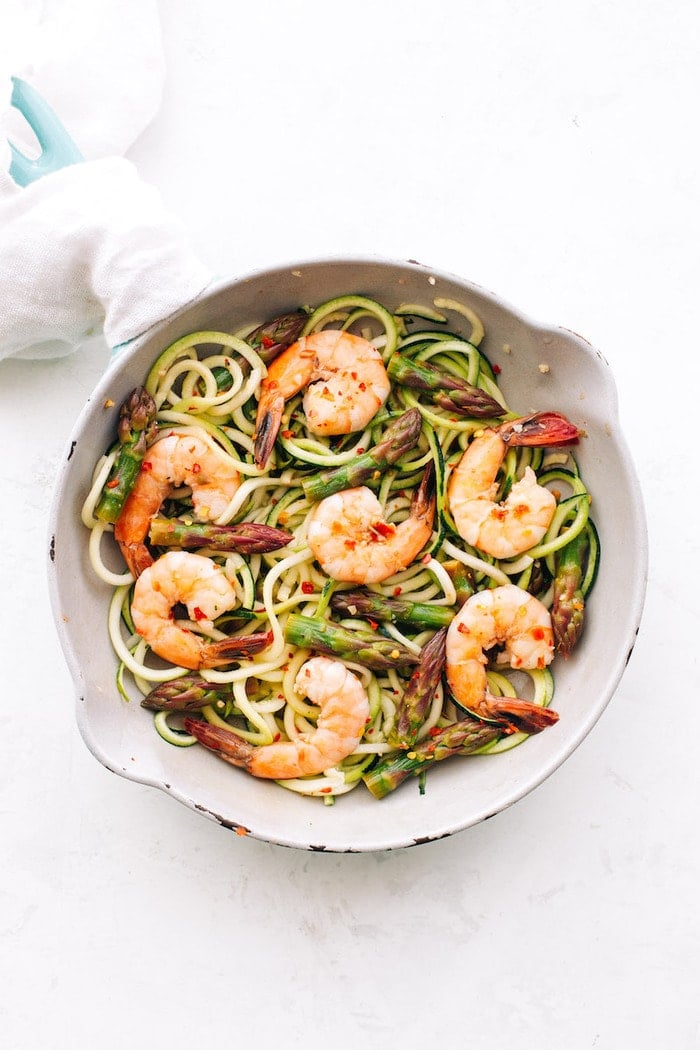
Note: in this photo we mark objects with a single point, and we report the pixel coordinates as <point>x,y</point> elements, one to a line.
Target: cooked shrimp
<point>510,617</point>
<point>511,527</point>
<point>345,380</point>
<point>343,717</point>
<point>179,577</point>
<point>353,543</point>
<point>173,460</point>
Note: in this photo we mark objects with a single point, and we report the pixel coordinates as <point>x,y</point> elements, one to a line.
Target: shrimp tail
<point>266,430</point>
<point>540,428</point>
<point>520,715</point>
<point>227,745</point>
<point>137,556</point>
<point>215,654</point>
<point>424,498</point>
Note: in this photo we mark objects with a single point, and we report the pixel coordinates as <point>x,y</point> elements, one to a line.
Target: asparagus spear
<point>269,340</point>
<point>568,601</point>
<point>462,579</point>
<point>272,337</point>
<point>460,738</point>
<point>366,647</point>
<point>399,437</point>
<point>371,606</point>
<point>248,537</point>
<point>135,429</point>
<point>188,693</point>
<point>446,390</point>
<point>420,690</point>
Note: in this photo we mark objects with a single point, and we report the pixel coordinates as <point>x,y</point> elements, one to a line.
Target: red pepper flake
<point>276,737</point>
<point>363,386</point>
<point>196,468</point>
<point>287,433</point>
<point>360,450</point>
<point>113,483</point>
<point>241,831</point>
<point>326,791</point>
<point>434,731</point>
<point>267,342</point>
<point>497,370</point>
<point>198,614</point>
<point>538,633</point>
<point>307,587</point>
<point>383,528</point>
<point>146,465</point>
<point>373,624</point>
<point>397,591</point>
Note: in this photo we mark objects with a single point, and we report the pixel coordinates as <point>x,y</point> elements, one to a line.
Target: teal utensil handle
<point>57,147</point>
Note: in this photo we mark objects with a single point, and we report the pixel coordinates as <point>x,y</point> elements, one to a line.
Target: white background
<point>546,151</point>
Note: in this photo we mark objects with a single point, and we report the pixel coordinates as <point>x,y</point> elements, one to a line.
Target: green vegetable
<point>370,606</point>
<point>399,437</point>
<point>446,390</point>
<point>135,430</point>
<point>247,537</point>
<point>420,691</point>
<point>460,738</point>
<point>366,647</point>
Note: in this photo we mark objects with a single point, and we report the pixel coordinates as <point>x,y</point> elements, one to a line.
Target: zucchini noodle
<point>208,384</point>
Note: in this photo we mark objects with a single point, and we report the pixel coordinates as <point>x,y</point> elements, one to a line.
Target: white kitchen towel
<point>86,249</point>
<point>90,248</point>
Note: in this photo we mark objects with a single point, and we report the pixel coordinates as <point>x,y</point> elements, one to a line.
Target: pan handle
<point>57,147</point>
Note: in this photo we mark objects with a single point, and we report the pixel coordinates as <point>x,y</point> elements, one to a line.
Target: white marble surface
<point>544,150</point>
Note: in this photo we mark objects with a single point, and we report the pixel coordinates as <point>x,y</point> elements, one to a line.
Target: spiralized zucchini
<point>209,382</point>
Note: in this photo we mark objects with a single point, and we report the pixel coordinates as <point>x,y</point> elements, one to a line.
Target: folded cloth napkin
<point>89,249</point>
